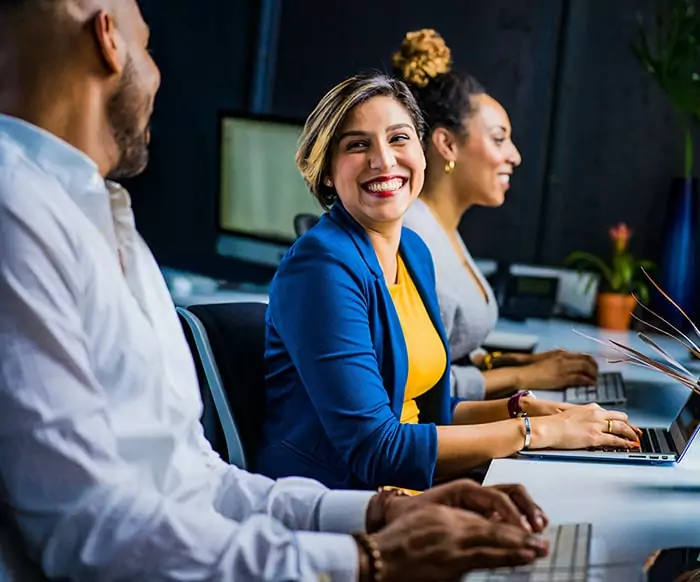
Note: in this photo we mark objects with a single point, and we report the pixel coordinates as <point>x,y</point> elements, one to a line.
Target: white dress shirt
<point>103,462</point>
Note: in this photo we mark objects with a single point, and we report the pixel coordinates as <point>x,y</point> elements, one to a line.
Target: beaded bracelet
<point>370,547</point>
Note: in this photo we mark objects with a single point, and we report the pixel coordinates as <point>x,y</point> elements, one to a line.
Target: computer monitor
<point>260,188</point>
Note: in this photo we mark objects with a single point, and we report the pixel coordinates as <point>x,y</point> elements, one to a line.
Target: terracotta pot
<point>615,310</point>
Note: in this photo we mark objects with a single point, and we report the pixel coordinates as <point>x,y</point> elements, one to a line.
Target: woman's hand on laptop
<point>581,427</point>
<point>518,359</point>
<point>558,370</point>
<point>539,407</point>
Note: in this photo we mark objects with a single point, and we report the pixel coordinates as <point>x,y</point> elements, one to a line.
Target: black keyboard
<point>609,390</point>
<point>656,440</point>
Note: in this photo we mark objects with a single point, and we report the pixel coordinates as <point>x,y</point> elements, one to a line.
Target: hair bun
<point>423,56</point>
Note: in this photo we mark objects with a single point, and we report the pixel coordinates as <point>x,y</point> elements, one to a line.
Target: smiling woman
<point>358,375</point>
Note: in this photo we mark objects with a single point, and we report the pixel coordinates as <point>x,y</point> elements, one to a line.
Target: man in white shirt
<point>103,462</point>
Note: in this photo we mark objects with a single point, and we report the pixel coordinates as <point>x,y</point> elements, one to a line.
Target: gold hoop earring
<point>449,167</point>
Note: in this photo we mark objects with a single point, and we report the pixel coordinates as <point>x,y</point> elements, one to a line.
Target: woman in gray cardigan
<point>470,159</point>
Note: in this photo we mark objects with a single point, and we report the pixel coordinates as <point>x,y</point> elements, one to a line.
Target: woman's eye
<point>400,137</point>
<point>499,140</point>
<point>356,145</point>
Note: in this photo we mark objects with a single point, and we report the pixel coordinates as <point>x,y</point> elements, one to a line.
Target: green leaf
<point>648,265</point>
<point>583,258</point>
<point>642,291</point>
<point>674,61</point>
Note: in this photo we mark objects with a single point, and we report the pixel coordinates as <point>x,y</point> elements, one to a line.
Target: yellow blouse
<point>426,353</point>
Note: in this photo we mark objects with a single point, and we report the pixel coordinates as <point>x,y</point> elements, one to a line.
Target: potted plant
<point>621,278</point>
<point>669,51</point>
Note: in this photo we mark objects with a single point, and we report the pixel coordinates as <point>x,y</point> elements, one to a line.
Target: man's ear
<point>110,43</point>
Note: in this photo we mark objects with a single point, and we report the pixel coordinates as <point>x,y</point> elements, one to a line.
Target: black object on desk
<point>521,297</point>
<point>673,563</point>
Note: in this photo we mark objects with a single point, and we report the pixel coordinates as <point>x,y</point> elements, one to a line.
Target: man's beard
<point>125,110</point>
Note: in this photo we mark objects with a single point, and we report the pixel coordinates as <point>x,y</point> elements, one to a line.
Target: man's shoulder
<point>327,242</point>
<point>325,256</point>
<point>23,184</point>
<point>31,205</point>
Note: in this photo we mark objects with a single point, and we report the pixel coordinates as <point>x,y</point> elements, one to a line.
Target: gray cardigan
<point>468,319</point>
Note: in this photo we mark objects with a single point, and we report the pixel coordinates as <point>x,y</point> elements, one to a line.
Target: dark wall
<point>206,58</point>
<point>616,141</point>
<point>598,139</point>
<point>509,46</point>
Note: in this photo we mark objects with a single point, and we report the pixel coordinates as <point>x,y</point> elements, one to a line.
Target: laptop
<point>657,445</point>
<point>609,390</point>
<point>571,559</point>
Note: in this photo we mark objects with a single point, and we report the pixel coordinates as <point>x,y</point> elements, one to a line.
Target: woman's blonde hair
<point>317,141</point>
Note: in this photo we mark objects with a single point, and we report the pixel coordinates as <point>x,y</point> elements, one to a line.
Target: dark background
<point>599,140</point>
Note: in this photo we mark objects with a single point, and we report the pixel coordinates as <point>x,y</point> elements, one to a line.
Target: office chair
<point>304,222</point>
<point>229,340</point>
<point>213,427</point>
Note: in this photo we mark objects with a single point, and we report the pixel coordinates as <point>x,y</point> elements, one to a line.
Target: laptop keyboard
<point>568,559</point>
<point>653,440</point>
<point>656,440</point>
<point>610,390</point>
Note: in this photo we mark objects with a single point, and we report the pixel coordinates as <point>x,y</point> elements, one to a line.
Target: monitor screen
<point>261,188</point>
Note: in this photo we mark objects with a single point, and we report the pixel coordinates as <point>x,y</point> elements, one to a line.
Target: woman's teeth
<point>388,186</point>
<point>504,178</point>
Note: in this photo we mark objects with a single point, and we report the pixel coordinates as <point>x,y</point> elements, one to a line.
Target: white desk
<point>634,509</point>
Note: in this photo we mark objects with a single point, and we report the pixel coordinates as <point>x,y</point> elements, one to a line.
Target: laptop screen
<point>689,417</point>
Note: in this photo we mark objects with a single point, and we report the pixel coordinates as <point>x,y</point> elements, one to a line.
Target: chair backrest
<point>213,428</point>
<point>235,334</point>
<point>304,222</point>
<point>217,417</point>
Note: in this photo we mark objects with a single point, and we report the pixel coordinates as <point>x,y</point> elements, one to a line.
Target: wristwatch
<point>515,410</point>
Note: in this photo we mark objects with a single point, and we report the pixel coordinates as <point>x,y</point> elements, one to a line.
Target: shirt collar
<point>73,169</point>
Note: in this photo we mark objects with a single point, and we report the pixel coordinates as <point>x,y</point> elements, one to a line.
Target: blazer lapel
<point>359,237</point>
<point>394,361</point>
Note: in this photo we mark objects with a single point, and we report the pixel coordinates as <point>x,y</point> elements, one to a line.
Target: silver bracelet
<point>528,433</point>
